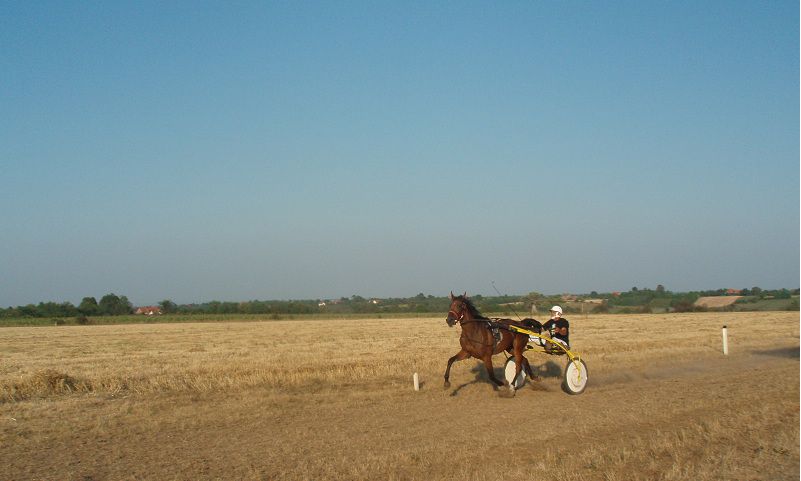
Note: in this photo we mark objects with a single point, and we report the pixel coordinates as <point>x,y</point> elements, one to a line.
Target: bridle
<point>461,320</point>
<point>454,315</point>
<point>460,317</point>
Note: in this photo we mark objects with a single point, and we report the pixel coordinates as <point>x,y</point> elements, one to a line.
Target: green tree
<point>113,305</point>
<point>782,294</point>
<point>11,312</point>
<point>52,309</point>
<point>168,307</point>
<point>28,310</point>
<point>88,306</point>
<point>229,308</point>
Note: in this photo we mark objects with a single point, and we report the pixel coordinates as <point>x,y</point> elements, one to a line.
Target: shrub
<point>82,320</point>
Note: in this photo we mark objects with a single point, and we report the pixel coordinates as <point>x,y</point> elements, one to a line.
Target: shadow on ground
<point>549,370</point>
<point>783,352</point>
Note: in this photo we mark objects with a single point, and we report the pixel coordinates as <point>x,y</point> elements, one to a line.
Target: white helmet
<point>557,310</point>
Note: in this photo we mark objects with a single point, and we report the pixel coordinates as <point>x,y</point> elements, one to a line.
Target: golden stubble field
<point>334,400</point>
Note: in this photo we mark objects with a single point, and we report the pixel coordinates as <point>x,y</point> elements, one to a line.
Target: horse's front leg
<point>461,355</point>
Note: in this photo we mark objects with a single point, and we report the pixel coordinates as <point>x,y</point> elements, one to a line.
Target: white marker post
<point>416,382</point>
<point>725,341</point>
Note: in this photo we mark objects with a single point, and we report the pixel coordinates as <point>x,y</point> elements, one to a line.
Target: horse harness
<point>494,327</point>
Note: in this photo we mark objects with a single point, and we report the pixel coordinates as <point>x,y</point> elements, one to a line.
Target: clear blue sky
<point>252,150</point>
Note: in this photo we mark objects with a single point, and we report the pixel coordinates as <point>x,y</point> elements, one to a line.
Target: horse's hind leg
<point>520,364</point>
<point>458,357</point>
<point>491,371</point>
<point>518,345</point>
<point>528,369</point>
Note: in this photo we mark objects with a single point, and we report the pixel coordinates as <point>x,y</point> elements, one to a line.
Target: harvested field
<point>334,400</point>
<point>716,301</point>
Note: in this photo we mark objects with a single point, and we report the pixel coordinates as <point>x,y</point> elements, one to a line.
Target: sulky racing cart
<point>575,373</point>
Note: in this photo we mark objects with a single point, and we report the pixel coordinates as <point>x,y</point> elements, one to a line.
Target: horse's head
<point>458,309</point>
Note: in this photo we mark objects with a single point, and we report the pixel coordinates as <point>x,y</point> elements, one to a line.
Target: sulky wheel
<point>509,372</point>
<point>575,377</point>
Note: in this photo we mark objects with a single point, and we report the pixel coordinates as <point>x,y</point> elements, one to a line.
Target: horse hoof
<point>447,385</point>
<point>506,393</point>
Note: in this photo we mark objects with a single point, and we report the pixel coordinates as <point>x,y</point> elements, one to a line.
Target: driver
<point>558,327</point>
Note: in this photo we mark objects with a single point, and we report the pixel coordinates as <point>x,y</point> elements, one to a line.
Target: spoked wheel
<point>509,374</point>
<point>575,380</point>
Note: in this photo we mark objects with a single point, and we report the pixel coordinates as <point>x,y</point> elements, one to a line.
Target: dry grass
<point>333,400</point>
<point>203,357</point>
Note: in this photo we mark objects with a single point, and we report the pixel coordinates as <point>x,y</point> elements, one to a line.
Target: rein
<point>489,323</point>
<point>474,320</point>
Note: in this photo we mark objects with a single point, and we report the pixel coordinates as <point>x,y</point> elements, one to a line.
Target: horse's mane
<point>471,307</point>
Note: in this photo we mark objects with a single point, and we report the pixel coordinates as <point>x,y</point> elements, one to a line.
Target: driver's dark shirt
<point>560,323</point>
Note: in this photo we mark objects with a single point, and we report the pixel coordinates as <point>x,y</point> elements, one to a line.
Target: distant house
<point>148,311</point>
<point>734,292</point>
<point>616,294</point>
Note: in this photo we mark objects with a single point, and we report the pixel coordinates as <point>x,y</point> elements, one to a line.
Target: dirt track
<point>706,417</point>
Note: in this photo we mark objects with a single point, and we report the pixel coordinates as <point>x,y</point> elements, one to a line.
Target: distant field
<point>717,301</point>
<point>747,304</point>
<point>333,399</point>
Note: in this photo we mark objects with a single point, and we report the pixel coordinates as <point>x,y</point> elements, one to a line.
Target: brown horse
<point>477,340</point>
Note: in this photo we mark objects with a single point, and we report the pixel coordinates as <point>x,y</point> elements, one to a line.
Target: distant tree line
<point>647,300</point>
<point>109,305</point>
<point>532,304</point>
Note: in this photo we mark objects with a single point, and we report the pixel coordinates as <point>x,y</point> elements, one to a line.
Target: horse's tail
<point>532,324</point>
<point>527,323</point>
